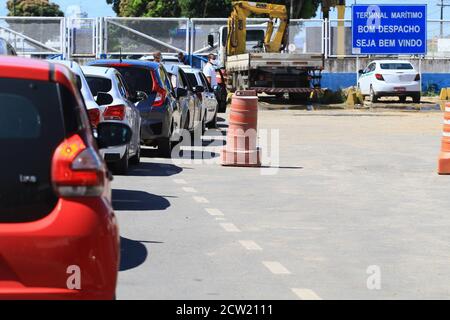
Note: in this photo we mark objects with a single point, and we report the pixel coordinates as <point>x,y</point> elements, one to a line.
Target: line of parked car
<point>62,124</point>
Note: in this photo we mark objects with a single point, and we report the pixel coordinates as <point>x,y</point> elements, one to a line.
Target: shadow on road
<point>132,254</point>
<point>146,169</point>
<point>130,200</point>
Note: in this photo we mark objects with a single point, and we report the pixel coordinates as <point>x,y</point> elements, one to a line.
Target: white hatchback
<point>384,78</point>
<point>111,93</point>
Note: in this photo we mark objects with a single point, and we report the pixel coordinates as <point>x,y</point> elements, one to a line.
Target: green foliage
<point>33,8</point>
<point>199,8</point>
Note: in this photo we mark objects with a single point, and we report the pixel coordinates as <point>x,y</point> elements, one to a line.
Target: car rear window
<point>192,79</point>
<point>137,79</point>
<point>396,66</point>
<point>31,127</point>
<point>98,84</point>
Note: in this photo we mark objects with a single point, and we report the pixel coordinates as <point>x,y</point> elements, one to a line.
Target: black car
<point>155,98</point>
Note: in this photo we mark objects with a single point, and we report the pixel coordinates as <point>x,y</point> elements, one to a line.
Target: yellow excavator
<point>273,66</point>
<point>237,26</point>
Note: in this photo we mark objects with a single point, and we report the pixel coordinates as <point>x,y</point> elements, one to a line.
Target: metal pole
<point>14,8</point>
<point>442,18</point>
<point>292,9</point>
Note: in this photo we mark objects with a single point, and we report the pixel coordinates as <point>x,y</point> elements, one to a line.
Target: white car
<point>390,78</point>
<point>209,100</point>
<point>110,91</point>
<point>94,111</point>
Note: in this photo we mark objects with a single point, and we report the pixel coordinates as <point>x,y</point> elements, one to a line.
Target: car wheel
<point>213,123</point>
<point>223,106</point>
<point>416,98</point>
<point>165,147</point>
<point>121,166</point>
<point>402,99</point>
<point>204,125</point>
<point>136,159</point>
<point>373,96</point>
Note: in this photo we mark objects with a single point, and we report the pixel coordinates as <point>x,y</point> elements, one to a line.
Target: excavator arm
<point>237,26</point>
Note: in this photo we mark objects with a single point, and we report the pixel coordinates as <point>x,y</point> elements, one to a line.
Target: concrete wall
<point>342,73</point>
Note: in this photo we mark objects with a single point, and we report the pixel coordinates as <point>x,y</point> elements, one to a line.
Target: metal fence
<point>94,37</point>
<point>140,36</point>
<point>35,36</point>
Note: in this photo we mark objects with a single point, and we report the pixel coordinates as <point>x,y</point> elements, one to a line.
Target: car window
<point>99,84</point>
<point>31,127</point>
<point>136,78</point>
<point>205,82</point>
<point>396,66</point>
<point>167,79</point>
<point>192,79</point>
<point>121,87</point>
<point>182,82</point>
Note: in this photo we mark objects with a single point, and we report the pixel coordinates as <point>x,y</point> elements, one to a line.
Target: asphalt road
<point>356,197</point>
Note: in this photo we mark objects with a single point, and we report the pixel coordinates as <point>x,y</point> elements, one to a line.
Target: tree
<point>33,8</point>
<point>200,8</point>
<point>146,8</point>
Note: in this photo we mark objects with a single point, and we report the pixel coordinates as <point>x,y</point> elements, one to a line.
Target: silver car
<point>110,91</point>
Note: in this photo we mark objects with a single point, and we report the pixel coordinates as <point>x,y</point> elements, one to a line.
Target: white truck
<point>297,74</point>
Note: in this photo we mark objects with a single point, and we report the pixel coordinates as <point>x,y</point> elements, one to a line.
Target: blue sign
<point>389,29</point>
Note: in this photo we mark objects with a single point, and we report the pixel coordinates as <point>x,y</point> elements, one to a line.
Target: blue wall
<point>336,81</point>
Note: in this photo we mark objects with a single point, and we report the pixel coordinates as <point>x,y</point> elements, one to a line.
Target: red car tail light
<point>114,113</point>
<point>161,93</point>
<point>77,170</point>
<point>94,117</point>
<point>379,77</point>
<point>417,78</point>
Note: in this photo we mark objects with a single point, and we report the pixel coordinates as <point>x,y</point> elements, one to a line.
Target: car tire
<point>402,99</point>
<point>223,106</point>
<point>213,123</point>
<point>373,96</point>
<point>121,167</point>
<point>136,159</point>
<point>416,98</point>
<point>165,147</point>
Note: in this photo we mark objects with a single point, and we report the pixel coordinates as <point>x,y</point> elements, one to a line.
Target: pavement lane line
<point>201,199</point>
<point>276,267</point>
<point>221,219</point>
<point>189,190</point>
<point>214,212</point>
<point>306,294</point>
<point>179,181</point>
<point>229,227</point>
<point>250,245</point>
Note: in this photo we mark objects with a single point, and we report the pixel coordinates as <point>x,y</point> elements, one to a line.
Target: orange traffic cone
<point>444,158</point>
<point>241,149</point>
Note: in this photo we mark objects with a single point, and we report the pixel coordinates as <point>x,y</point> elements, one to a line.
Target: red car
<point>58,233</point>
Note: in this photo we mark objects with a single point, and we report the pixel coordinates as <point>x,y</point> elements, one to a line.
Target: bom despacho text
<point>389,29</point>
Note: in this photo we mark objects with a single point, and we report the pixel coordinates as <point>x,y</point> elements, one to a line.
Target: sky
<point>99,8</point>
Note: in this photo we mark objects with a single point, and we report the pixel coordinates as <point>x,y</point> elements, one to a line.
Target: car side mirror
<point>141,96</point>
<point>198,89</point>
<point>360,72</point>
<point>181,92</point>
<point>211,40</point>
<point>104,98</point>
<point>113,134</point>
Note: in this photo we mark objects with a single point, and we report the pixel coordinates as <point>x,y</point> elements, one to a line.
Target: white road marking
<point>250,245</point>
<point>214,212</point>
<point>201,200</point>
<point>179,181</point>
<point>221,219</point>
<point>276,267</point>
<point>229,227</point>
<point>306,294</point>
<point>189,190</point>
